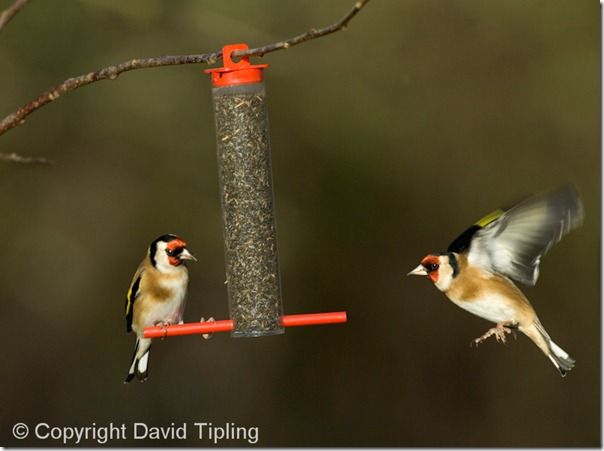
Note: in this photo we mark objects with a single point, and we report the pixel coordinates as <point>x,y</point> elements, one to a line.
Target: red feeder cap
<point>240,73</point>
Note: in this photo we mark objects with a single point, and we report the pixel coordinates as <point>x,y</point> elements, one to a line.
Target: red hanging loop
<point>234,73</point>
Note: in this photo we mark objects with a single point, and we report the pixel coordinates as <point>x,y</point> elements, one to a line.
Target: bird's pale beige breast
<point>474,285</point>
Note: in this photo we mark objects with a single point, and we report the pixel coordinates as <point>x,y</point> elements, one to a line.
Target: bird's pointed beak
<point>419,271</point>
<point>186,255</point>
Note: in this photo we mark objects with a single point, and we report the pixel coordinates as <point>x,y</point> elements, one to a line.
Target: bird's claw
<point>210,320</point>
<point>164,328</point>
<point>500,330</point>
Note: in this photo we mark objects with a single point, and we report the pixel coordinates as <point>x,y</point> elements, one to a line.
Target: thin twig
<point>10,12</point>
<point>16,158</point>
<point>18,117</point>
<point>310,34</point>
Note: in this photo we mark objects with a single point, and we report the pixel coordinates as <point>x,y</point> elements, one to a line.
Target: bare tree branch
<point>10,12</point>
<point>16,158</point>
<point>310,34</point>
<point>18,117</point>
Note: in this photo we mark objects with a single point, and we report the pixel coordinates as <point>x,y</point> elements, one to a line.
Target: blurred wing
<point>463,241</point>
<point>514,243</point>
<point>133,292</point>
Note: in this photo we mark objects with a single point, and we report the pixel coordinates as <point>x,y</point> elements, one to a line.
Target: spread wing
<point>514,243</point>
<point>133,293</point>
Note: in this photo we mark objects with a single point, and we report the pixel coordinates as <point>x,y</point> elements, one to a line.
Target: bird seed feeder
<point>246,189</point>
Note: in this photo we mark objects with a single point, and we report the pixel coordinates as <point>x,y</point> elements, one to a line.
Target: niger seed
<point>244,165</point>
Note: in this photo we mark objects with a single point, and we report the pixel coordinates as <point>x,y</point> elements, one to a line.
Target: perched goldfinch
<point>476,271</point>
<point>156,296</point>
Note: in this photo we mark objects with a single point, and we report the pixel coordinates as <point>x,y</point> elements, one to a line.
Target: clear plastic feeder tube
<point>244,165</point>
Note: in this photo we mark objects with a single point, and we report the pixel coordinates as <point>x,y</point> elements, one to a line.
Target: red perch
<point>309,319</point>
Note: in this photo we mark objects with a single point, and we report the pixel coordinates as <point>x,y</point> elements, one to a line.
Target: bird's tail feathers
<point>559,357</point>
<point>140,360</point>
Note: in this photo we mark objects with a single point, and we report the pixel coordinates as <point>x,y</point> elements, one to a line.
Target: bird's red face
<point>429,266</point>
<point>431,263</point>
<point>168,252</point>
<point>177,252</point>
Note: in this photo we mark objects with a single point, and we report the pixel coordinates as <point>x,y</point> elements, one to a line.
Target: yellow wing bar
<point>483,222</point>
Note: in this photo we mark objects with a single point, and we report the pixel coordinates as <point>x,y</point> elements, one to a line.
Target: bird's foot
<point>164,328</point>
<point>210,320</point>
<point>500,330</point>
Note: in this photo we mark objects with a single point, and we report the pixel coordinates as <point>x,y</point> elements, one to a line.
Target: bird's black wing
<point>133,292</point>
<point>462,242</point>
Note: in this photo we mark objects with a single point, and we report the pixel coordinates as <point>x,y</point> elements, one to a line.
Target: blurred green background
<point>388,140</point>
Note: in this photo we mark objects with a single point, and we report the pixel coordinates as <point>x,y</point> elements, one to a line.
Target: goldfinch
<point>476,271</point>
<point>156,296</point>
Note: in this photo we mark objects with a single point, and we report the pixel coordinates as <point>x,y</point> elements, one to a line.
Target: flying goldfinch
<point>476,271</point>
<point>156,296</point>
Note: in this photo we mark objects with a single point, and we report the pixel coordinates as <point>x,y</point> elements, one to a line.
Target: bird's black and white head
<point>441,269</point>
<point>168,252</point>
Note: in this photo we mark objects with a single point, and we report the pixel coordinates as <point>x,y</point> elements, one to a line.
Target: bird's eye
<point>431,267</point>
<point>174,252</point>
